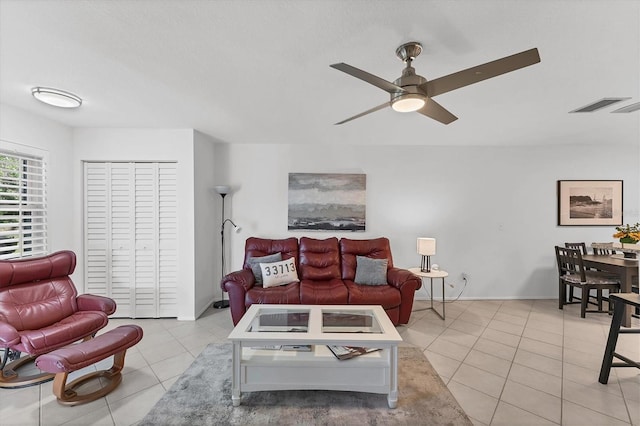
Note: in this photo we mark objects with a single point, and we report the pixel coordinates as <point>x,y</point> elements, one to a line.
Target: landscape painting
<point>327,201</point>
<point>590,202</point>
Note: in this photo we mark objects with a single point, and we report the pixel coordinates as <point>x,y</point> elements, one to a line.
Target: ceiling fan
<point>412,92</point>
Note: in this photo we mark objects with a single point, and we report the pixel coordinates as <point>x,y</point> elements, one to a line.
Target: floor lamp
<point>223,190</point>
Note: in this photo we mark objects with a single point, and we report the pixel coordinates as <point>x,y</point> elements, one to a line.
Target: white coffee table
<point>260,363</point>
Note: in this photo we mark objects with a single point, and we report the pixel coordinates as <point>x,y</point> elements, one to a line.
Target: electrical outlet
<point>465,276</point>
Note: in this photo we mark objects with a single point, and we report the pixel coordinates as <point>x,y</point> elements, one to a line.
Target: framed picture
<point>590,202</point>
<point>327,201</point>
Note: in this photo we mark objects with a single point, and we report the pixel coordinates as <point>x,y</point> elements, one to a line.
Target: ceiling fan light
<point>55,97</point>
<point>408,103</point>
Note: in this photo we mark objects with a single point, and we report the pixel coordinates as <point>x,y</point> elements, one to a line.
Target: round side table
<point>431,275</point>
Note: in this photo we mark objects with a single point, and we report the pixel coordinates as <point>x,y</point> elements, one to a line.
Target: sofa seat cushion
<point>330,292</point>
<point>289,293</point>
<point>385,295</point>
<point>62,333</point>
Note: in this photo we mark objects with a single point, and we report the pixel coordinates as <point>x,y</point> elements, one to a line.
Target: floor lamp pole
<point>221,304</point>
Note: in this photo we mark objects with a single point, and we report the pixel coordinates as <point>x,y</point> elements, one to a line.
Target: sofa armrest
<point>243,278</point>
<point>237,284</point>
<point>9,336</point>
<point>398,278</point>
<point>407,283</point>
<point>92,302</point>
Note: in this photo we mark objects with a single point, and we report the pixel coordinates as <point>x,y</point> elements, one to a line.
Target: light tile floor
<point>519,362</point>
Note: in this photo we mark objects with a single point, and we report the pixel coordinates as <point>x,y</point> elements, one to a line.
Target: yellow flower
<point>628,231</point>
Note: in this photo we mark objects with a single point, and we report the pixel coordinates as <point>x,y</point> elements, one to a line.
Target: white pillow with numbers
<point>279,273</point>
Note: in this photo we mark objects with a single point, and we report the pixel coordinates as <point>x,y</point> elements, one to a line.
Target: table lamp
<point>426,248</point>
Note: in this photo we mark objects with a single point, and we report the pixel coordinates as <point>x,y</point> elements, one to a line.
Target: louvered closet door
<point>97,233</point>
<point>131,236</point>
<point>167,240</point>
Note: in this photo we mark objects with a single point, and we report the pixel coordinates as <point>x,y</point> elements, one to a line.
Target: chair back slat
<point>580,246</point>
<point>603,248</point>
<point>570,262</point>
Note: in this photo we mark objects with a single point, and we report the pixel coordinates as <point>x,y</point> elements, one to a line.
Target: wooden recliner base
<point>11,379</point>
<point>67,393</point>
<point>73,358</point>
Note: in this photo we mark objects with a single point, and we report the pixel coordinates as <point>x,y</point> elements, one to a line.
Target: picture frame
<point>327,202</point>
<point>590,202</point>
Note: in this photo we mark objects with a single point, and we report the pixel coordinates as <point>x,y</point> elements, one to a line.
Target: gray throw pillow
<point>371,271</point>
<point>254,263</point>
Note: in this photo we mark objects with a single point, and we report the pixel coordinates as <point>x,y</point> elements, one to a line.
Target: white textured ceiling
<point>258,71</point>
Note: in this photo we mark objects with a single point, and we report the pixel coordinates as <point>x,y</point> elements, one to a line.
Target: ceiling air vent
<point>629,108</point>
<point>602,103</point>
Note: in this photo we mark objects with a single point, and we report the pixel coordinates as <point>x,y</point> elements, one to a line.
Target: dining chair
<point>572,273</point>
<point>583,250</point>
<point>602,249</point>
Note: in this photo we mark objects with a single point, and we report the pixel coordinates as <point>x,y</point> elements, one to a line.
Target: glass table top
<point>296,320</point>
<point>341,321</point>
<point>280,320</point>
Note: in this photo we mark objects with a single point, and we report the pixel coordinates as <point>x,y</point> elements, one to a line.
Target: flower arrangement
<point>629,234</point>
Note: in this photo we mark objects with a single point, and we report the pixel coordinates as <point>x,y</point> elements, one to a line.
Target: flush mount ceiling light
<point>55,97</point>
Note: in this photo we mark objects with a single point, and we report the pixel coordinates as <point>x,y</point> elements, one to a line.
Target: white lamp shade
<point>222,189</point>
<point>426,246</point>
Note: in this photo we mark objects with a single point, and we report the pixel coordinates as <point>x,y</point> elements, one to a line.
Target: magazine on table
<point>348,352</point>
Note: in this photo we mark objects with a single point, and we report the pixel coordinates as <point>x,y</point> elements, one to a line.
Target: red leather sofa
<point>41,311</point>
<point>326,271</point>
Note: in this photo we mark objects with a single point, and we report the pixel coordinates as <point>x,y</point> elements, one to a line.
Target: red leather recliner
<point>40,311</point>
<point>326,269</point>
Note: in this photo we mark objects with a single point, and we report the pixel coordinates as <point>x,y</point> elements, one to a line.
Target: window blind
<point>23,206</point>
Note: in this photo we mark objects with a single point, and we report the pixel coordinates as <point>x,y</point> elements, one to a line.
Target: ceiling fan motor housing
<point>409,82</point>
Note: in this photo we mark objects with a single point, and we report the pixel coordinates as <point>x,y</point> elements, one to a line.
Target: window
<point>23,205</point>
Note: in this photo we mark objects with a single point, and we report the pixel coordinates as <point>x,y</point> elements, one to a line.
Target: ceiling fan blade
<point>374,109</point>
<point>481,72</point>
<point>383,84</point>
<point>434,110</point>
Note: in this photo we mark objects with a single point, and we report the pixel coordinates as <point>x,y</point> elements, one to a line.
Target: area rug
<point>202,396</point>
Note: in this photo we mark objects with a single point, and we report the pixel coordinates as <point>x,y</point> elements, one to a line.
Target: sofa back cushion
<point>377,248</point>
<point>319,259</point>
<point>259,247</point>
<point>37,292</point>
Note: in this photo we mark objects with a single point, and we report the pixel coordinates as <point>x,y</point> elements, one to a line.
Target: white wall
<point>24,129</point>
<point>493,210</point>
<point>207,229</point>
<point>145,145</point>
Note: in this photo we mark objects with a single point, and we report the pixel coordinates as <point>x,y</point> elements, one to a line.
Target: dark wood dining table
<point>626,269</point>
